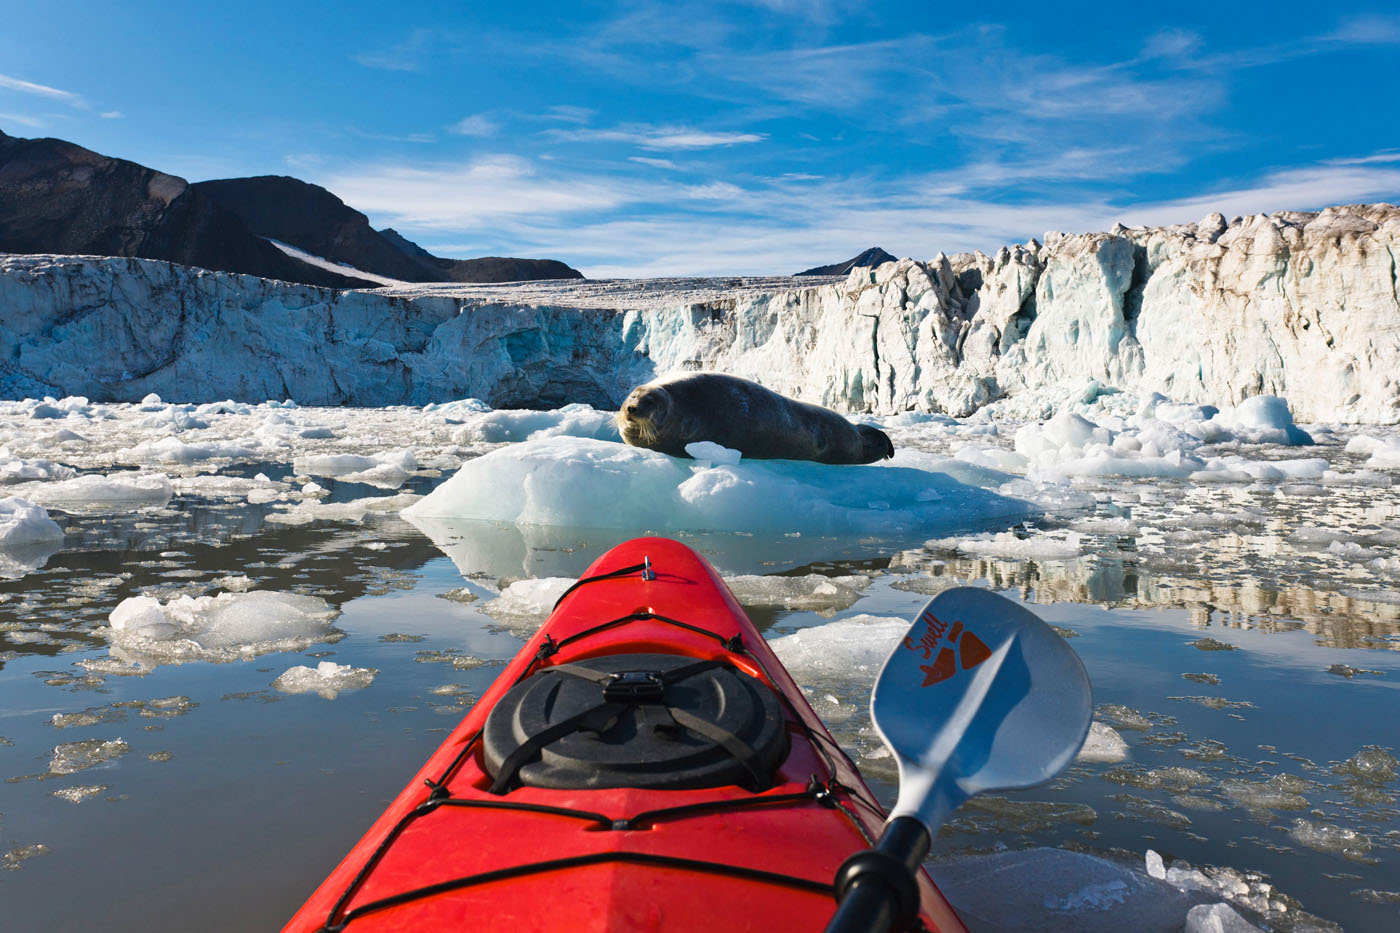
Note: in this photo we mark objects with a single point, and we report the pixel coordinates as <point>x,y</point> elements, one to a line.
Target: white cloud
<point>112,115</point>
<point>487,190</point>
<point>33,122</point>
<point>616,227</point>
<point>478,125</point>
<point>658,138</point>
<point>566,113</point>
<point>40,90</point>
<point>654,163</point>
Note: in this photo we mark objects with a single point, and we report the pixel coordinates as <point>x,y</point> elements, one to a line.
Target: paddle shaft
<point>878,889</point>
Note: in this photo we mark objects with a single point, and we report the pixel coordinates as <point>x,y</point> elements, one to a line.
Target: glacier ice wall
<point>1298,304</point>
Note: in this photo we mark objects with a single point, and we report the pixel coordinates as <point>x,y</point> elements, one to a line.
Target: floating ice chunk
<point>78,793</point>
<point>1264,419</point>
<point>851,649</point>
<point>150,399</point>
<point>355,510</point>
<point>994,458</point>
<point>1325,837</point>
<point>1058,891</point>
<point>528,598</point>
<point>1384,456</point>
<point>1216,918</point>
<point>499,427</point>
<point>220,628</point>
<point>126,491</point>
<point>1105,526</point>
<point>1280,792</point>
<point>173,450</point>
<point>585,482</point>
<point>1102,745</point>
<point>327,679</point>
<point>457,409</point>
<point>24,523</point>
<point>19,470</point>
<point>332,464</point>
<point>72,757</point>
<point>1007,544</point>
<point>1153,863</point>
<point>810,591</point>
<point>1065,430</point>
<point>714,453</point>
<point>174,419</point>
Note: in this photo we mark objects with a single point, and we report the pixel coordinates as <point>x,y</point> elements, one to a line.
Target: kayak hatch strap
<point>594,719</point>
<point>596,858</point>
<point>734,644</point>
<point>644,568</point>
<point>639,820</point>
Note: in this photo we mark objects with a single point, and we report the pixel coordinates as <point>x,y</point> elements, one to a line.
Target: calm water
<point>226,801</point>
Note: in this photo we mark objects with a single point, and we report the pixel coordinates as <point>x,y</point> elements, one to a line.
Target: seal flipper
<point>876,444</point>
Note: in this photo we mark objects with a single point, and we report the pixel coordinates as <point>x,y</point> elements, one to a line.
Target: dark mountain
<point>505,269</point>
<point>310,218</point>
<point>404,245</point>
<point>56,197</point>
<point>871,257</point>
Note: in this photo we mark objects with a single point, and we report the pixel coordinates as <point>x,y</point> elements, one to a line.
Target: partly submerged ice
<point>327,679</point>
<point>226,627</point>
<point>585,482</point>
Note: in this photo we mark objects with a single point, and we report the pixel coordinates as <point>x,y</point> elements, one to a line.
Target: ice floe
<point>327,679</point>
<point>585,482</point>
<point>226,627</point>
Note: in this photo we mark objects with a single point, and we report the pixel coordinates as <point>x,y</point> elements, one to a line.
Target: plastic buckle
<point>634,687</point>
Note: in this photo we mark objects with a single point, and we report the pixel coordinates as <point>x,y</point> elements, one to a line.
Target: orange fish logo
<point>960,649</point>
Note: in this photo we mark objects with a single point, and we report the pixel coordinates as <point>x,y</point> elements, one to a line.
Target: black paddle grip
<point>877,890</point>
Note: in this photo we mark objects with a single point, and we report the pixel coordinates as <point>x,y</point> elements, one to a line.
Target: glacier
<point>1301,305</point>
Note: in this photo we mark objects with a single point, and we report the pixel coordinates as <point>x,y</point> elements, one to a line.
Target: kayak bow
<point>644,762</point>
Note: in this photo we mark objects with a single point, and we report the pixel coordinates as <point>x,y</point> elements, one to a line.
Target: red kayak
<point>644,763</point>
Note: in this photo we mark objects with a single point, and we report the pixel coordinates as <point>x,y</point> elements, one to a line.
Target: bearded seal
<point>673,411</point>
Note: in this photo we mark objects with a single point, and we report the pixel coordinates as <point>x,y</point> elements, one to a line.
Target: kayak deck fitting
<point>644,763</point>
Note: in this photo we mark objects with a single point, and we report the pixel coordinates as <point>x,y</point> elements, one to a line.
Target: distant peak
<point>874,256</point>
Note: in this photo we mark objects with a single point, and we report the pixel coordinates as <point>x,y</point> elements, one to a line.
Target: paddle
<point>981,695</point>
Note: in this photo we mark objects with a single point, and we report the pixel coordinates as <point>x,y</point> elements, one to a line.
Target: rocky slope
<point>1303,305</point>
<point>872,257</point>
<point>313,219</point>
<point>61,198</point>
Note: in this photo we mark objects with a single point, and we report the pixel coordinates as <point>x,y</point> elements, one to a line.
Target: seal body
<point>673,411</point>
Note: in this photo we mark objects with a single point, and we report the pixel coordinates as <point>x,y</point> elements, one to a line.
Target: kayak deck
<point>449,853</point>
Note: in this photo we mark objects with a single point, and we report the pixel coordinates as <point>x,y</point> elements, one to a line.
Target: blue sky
<point>639,139</point>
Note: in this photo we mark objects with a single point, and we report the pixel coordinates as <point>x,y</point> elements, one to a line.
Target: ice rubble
<point>499,427</point>
<point>327,679</point>
<point>23,523</point>
<point>226,627</point>
<point>122,491</point>
<point>592,483</point>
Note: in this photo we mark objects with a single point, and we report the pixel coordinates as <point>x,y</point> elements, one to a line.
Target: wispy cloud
<point>40,90</point>
<point>486,190</point>
<point>478,125</point>
<point>654,163</point>
<point>657,138</point>
<point>32,122</point>
<point>603,225</point>
<point>411,54</point>
<point>112,115</point>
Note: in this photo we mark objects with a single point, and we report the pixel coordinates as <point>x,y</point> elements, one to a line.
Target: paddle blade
<point>980,695</point>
